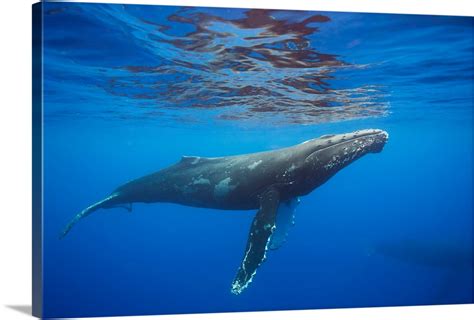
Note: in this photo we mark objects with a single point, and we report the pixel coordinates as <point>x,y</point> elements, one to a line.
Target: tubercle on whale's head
<point>329,154</point>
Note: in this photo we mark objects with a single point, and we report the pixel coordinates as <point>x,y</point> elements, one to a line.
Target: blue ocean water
<point>130,89</point>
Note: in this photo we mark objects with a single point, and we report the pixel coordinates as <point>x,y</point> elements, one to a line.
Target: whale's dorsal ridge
<point>188,158</point>
<point>192,159</point>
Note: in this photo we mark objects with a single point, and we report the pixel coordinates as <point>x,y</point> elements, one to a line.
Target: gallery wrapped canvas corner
<point>194,159</point>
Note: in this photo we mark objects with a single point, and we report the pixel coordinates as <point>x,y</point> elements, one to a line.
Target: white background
<point>15,157</point>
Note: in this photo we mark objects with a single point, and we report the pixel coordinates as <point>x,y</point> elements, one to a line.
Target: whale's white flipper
<point>284,220</point>
<point>260,233</point>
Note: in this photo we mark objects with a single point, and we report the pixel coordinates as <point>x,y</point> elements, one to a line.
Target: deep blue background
<point>165,258</point>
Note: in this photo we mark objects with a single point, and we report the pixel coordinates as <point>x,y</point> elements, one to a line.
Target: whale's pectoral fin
<point>284,220</point>
<point>260,233</point>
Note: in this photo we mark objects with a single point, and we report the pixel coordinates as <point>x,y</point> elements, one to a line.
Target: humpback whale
<point>269,182</point>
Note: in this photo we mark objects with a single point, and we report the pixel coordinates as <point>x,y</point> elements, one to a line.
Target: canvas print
<point>193,159</point>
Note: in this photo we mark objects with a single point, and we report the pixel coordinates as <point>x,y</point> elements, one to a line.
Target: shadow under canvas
<point>22,308</point>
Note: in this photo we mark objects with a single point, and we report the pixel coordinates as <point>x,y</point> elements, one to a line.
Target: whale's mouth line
<point>369,134</point>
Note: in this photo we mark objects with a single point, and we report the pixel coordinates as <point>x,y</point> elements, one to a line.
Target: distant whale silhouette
<point>269,181</point>
<point>453,259</point>
<point>438,254</point>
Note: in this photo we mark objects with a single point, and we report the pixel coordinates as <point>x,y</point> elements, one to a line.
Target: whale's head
<point>328,154</point>
<point>349,146</point>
